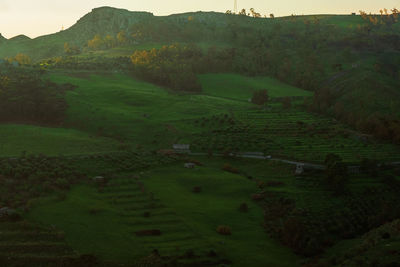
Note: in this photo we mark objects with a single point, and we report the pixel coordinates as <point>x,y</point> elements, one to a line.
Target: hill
<point>19,38</point>
<point>2,38</point>
<point>109,21</point>
<point>103,21</point>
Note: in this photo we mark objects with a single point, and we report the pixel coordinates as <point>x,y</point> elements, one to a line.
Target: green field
<point>113,112</point>
<point>16,139</point>
<point>134,111</point>
<point>139,113</point>
<point>187,220</point>
<point>241,88</point>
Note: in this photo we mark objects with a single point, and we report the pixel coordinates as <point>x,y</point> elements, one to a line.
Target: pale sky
<point>39,17</point>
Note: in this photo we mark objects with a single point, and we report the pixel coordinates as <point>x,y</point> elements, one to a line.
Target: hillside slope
<point>108,20</point>
<point>104,20</point>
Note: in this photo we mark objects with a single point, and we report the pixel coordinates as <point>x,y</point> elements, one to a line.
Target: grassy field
<point>163,198</point>
<point>16,139</point>
<point>114,111</point>
<point>187,220</point>
<point>139,113</point>
<point>218,204</point>
<point>134,111</point>
<point>88,224</point>
<point>241,88</point>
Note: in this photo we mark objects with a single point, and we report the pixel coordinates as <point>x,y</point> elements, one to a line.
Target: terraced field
<point>291,133</point>
<point>142,224</point>
<point>22,243</point>
<point>143,212</point>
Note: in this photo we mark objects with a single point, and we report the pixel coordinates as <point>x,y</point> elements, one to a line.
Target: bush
<point>227,167</point>
<point>260,97</point>
<point>224,230</point>
<point>286,102</point>
<point>196,189</point>
<point>257,197</point>
<point>95,210</point>
<point>274,183</point>
<point>62,183</point>
<point>244,207</point>
<point>148,233</point>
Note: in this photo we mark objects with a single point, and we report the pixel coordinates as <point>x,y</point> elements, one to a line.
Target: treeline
<point>386,18</point>
<point>26,97</point>
<point>121,64</point>
<point>19,59</point>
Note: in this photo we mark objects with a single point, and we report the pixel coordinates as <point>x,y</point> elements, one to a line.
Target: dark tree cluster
<point>176,66</point>
<point>260,97</point>
<point>27,177</point>
<point>26,97</point>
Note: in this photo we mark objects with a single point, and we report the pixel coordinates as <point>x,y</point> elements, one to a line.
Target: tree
<point>96,43</point>
<point>272,16</point>
<point>287,102</point>
<point>121,38</point>
<point>109,41</point>
<point>23,59</point>
<point>243,12</point>
<point>254,13</point>
<point>71,50</point>
<point>67,49</point>
<point>260,97</point>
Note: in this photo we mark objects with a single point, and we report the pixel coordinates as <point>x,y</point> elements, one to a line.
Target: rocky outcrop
<point>105,20</point>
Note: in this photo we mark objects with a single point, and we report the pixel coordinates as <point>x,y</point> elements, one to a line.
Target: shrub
<point>274,183</point>
<point>224,230</point>
<point>95,210</point>
<point>260,97</point>
<point>227,167</point>
<point>196,189</point>
<point>62,183</point>
<point>244,207</point>
<point>261,184</point>
<point>257,197</point>
<point>286,102</point>
<point>148,233</point>
<point>61,196</point>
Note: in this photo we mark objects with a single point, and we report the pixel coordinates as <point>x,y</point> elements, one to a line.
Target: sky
<point>39,17</point>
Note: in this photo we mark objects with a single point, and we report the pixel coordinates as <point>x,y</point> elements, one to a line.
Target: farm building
<point>189,165</point>
<point>299,169</point>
